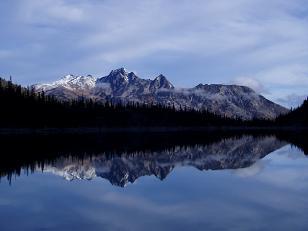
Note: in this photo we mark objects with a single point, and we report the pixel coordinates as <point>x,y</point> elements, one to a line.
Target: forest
<point>24,108</point>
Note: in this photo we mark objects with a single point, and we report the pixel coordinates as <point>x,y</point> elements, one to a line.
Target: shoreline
<point>106,130</point>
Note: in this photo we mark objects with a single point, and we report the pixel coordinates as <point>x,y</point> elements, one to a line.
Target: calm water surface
<point>241,183</point>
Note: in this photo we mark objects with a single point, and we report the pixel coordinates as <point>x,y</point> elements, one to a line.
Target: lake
<point>204,182</point>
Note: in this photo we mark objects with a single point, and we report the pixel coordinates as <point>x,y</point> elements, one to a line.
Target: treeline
<point>296,117</point>
<point>23,107</point>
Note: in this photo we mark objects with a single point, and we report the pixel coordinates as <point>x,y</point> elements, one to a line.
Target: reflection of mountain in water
<point>231,153</point>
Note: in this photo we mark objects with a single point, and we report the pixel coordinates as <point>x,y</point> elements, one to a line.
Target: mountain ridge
<point>121,86</point>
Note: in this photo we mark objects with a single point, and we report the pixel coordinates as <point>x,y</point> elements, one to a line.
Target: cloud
<point>292,100</point>
<point>4,54</point>
<point>286,75</point>
<point>254,84</point>
<point>50,12</point>
<point>204,41</point>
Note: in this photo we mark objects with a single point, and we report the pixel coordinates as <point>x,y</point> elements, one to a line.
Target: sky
<point>262,44</point>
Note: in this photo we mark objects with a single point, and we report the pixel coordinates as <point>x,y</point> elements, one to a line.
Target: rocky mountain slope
<point>121,86</point>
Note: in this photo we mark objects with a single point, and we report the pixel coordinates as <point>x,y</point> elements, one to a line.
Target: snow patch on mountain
<point>227,100</point>
<point>71,82</point>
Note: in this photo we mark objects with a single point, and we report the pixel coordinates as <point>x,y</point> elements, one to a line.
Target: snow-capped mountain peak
<point>227,100</point>
<point>121,71</point>
<point>162,82</point>
<point>69,82</point>
<point>116,76</point>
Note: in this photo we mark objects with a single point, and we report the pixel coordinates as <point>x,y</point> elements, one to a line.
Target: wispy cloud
<point>254,84</point>
<point>6,54</point>
<point>292,100</point>
<point>50,12</point>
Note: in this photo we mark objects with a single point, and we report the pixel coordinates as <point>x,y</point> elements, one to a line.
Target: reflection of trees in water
<point>122,159</point>
<point>230,153</point>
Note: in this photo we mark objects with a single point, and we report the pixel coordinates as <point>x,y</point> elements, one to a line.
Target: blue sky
<point>259,43</point>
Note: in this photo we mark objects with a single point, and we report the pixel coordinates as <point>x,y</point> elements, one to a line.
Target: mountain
<point>120,86</point>
<point>24,108</point>
<point>70,86</point>
<point>119,170</point>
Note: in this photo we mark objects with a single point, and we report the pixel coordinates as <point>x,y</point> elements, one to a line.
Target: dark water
<point>212,182</point>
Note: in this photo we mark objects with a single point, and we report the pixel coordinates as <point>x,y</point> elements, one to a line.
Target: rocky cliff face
<point>119,170</point>
<point>121,86</point>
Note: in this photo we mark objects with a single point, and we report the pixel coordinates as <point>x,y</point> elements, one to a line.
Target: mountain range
<point>121,86</point>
